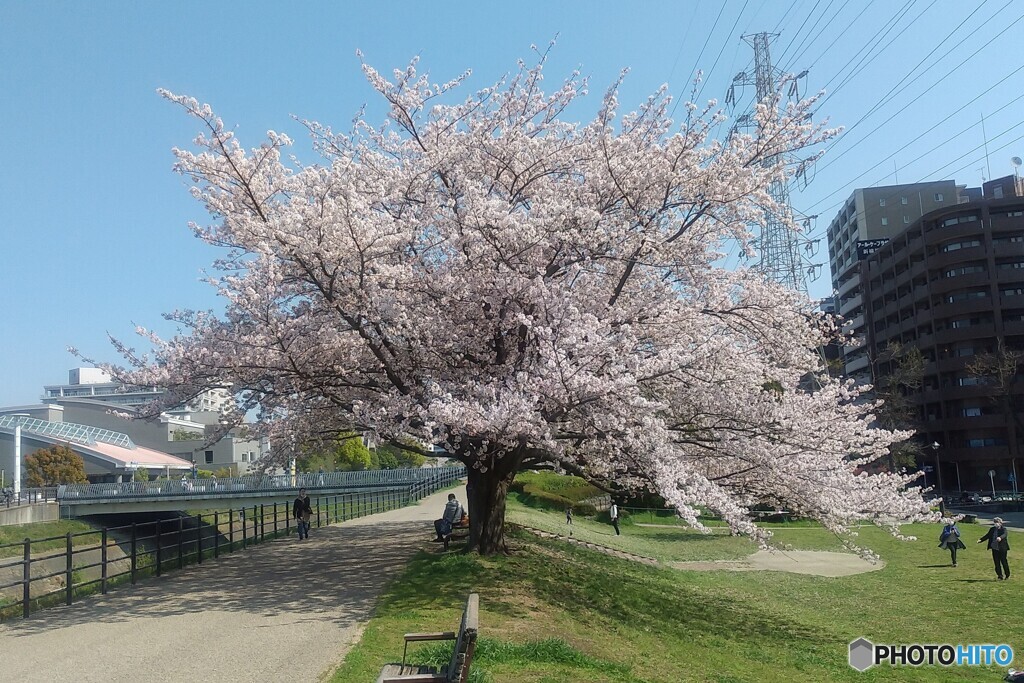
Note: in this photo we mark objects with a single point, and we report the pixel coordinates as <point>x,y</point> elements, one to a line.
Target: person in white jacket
<point>613,512</point>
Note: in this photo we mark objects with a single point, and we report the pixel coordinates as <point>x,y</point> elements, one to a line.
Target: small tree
<point>141,474</point>
<point>346,454</point>
<point>897,411</point>
<point>390,457</point>
<point>185,435</point>
<point>55,465</point>
<point>1000,370</point>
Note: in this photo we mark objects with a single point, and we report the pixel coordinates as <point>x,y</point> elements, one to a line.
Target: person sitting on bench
<point>453,513</point>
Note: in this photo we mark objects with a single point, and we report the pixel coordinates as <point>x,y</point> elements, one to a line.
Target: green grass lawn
<point>17,533</point>
<point>554,612</point>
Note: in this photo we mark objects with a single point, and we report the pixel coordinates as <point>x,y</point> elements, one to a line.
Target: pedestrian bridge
<point>166,495</point>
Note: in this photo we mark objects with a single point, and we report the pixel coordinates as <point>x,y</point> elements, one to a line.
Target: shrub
<point>555,491</point>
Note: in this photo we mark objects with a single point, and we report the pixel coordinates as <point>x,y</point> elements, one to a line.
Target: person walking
<point>302,511</point>
<point>997,543</point>
<point>568,518</point>
<point>949,540</point>
<point>613,512</point>
<point>451,516</point>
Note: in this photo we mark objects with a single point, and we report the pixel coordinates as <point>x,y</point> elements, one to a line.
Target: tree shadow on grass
<point>586,585</point>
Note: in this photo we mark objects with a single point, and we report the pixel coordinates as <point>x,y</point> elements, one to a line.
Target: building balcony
<point>942,285</point>
<point>953,363</point>
<point>848,286</point>
<point>857,364</point>
<point>967,423</point>
<point>850,305</point>
<point>853,324</point>
<point>962,333</point>
<point>943,260</point>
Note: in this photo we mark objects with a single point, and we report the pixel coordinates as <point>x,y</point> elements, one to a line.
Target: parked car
<point>970,498</point>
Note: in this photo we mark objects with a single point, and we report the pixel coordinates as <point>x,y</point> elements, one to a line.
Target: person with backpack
<point>949,540</point>
<point>452,515</point>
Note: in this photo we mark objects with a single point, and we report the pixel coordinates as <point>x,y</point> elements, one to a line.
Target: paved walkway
<point>286,611</point>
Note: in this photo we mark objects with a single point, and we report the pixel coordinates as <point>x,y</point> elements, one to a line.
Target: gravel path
<point>286,611</point>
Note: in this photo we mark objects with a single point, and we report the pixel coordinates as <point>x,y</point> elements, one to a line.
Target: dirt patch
<point>814,562</point>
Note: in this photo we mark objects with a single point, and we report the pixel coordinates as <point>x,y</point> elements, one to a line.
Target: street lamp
<point>938,476</point>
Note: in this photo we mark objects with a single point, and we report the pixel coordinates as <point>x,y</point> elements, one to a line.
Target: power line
<point>682,44</point>
<point>932,174</point>
<point>867,50</point>
<point>933,127</point>
<point>862,13</point>
<point>699,55</point>
<point>724,43</point>
<point>820,33</point>
<point>797,34</point>
<point>885,98</point>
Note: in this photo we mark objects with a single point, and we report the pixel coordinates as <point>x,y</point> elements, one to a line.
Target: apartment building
<point>867,220</point>
<point>952,284</point>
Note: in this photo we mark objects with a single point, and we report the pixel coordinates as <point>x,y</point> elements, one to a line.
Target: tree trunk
<point>486,493</point>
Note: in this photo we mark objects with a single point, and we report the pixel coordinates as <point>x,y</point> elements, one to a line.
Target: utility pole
<point>779,244</point>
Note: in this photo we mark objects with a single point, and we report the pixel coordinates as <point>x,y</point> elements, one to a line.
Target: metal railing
<point>59,569</point>
<point>248,484</point>
<point>28,496</point>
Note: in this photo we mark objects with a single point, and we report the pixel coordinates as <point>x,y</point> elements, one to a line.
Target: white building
<point>96,384</point>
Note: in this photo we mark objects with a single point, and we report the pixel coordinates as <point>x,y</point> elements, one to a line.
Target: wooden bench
<point>461,529</point>
<point>457,670</point>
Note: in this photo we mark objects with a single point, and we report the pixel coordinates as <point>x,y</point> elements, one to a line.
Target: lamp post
<point>938,476</point>
<point>992,478</point>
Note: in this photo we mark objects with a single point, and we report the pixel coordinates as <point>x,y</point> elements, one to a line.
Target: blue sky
<point>93,222</point>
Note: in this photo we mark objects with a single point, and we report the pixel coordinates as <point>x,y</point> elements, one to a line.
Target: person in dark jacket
<point>997,543</point>
<point>950,540</point>
<point>302,511</point>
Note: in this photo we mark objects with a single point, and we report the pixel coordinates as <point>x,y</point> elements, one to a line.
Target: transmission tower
<point>779,244</point>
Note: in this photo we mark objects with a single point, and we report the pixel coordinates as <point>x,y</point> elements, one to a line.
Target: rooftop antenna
<point>984,137</point>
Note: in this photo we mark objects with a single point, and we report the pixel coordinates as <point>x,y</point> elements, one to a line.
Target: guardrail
<point>28,496</point>
<point>247,484</point>
<point>59,569</point>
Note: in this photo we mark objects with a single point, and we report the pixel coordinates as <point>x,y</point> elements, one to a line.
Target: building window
<point>885,221</point>
<point>967,351</point>
<point>1008,239</point>
<point>1012,214</point>
<point>903,200</point>
<point>1013,291</point>
<point>997,192</point>
<point>963,296</point>
<point>964,270</point>
<point>982,443</point>
<point>969,381</point>
<point>938,196</point>
<point>972,412</point>
<point>209,457</point>
<point>954,246</point>
<point>1008,266</point>
<point>881,202</point>
<point>906,219</point>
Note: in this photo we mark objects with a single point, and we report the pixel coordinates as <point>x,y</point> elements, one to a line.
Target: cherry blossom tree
<point>526,291</point>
